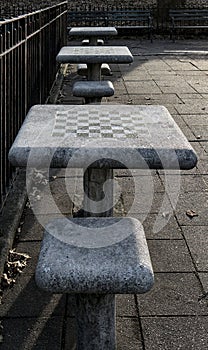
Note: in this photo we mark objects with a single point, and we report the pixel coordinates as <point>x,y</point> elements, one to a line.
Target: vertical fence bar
<point>28,48</point>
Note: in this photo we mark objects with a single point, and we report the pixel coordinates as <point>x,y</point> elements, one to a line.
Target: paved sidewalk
<point>174,314</point>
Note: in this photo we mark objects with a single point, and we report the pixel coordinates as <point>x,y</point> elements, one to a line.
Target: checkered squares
<point>96,124</point>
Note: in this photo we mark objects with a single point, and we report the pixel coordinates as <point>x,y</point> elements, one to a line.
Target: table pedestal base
<point>95,317</point>
<point>98,192</point>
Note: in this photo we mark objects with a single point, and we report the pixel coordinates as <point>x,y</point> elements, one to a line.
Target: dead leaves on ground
<point>13,267</point>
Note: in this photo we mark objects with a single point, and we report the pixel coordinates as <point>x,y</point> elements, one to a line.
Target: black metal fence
<point>28,48</point>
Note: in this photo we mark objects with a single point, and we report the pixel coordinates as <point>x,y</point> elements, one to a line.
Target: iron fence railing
<point>28,48</point>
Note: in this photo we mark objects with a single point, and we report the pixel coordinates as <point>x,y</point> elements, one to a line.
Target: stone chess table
<point>110,133</point>
<point>100,138</point>
<point>93,32</point>
<point>94,56</point>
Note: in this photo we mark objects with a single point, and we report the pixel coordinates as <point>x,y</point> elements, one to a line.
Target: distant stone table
<point>93,32</point>
<point>100,138</point>
<point>94,56</point>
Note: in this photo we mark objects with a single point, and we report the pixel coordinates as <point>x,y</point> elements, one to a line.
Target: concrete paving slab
<point>128,334</point>
<point>32,333</point>
<point>192,201</point>
<point>173,294</point>
<point>173,333</point>
<point>203,276</point>
<point>169,256</point>
<point>188,183</point>
<point>169,226</point>
<point>17,301</point>
<point>140,87</point>
<point>126,305</point>
<point>197,240</point>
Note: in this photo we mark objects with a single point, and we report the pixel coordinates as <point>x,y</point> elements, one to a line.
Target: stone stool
<point>93,91</point>
<point>86,42</point>
<point>95,258</point>
<point>82,69</point>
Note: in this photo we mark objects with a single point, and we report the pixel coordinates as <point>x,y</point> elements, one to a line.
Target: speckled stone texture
<point>93,31</point>
<point>94,54</point>
<point>93,89</point>
<point>111,136</point>
<point>95,318</point>
<point>94,255</point>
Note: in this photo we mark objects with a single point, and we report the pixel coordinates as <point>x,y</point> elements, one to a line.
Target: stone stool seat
<point>82,69</point>
<point>93,89</point>
<point>86,42</point>
<point>93,256</point>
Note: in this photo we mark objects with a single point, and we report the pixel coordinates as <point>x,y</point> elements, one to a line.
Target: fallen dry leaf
<point>191,213</point>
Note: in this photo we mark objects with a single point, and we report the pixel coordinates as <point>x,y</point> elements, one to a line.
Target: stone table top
<point>93,31</point>
<point>94,54</point>
<point>109,136</point>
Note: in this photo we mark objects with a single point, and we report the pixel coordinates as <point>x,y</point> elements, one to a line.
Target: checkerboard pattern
<point>94,50</point>
<point>95,124</point>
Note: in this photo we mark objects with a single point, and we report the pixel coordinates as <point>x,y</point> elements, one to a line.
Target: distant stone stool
<point>93,91</point>
<point>82,69</point>
<point>95,258</point>
<point>86,42</point>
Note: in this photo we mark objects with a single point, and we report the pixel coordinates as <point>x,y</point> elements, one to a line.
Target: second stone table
<point>93,32</point>
<point>94,56</point>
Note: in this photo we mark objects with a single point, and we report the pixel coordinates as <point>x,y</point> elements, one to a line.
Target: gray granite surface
<point>93,88</point>
<point>94,255</point>
<point>94,54</point>
<point>93,31</point>
<point>115,136</point>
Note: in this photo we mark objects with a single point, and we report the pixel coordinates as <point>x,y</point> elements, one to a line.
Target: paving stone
<point>49,202</point>
<point>129,184</point>
<point>139,76</point>
<point>176,65</point>
<point>169,228</point>
<point>32,333</point>
<point>148,202</point>
<point>188,183</point>
<point>200,131</point>
<point>170,256</point>
<point>128,334</point>
<point>142,88</point>
<point>197,119</point>
<point>173,294</point>
<point>204,280</point>
<point>197,240</point>
<point>200,107</point>
<point>32,230</point>
<point>187,96</point>
<point>33,226</point>
<point>126,306</point>
<point>197,201</point>
<point>17,302</point>
<point>179,89</point>
<point>173,333</point>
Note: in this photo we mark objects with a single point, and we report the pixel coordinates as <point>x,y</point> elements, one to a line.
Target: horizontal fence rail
<point>28,48</point>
